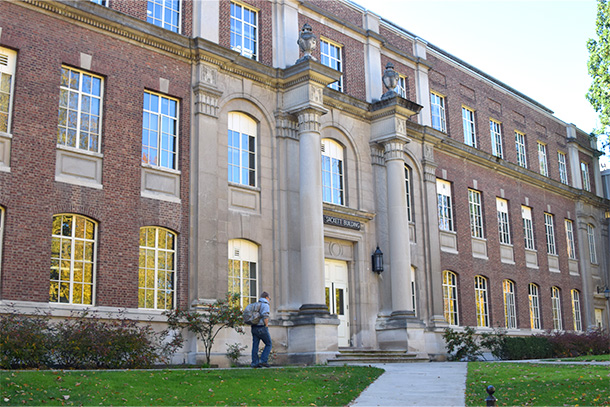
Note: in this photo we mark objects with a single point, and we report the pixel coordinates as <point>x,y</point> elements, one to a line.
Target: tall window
<point>520,147</point>
<point>401,87</point>
<point>330,55</point>
<point>244,35</point>
<point>437,105</point>
<point>332,172</point>
<point>409,197</point>
<point>481,303</point>
<point>534,303</point>
<point>476,213</point>
<point>413,290</point>
<point>80,110</point>
<point>576,310</point>
<point>549,228</point>
<point>157,278</point>
<point>242,149</point>
<point>496,138</point>
<point>160,131</point>
<point>8,60</point>
<point>563,167</point>
<point>510,311</point>
<point>164,13</point>
<point>243,270</point>
<point>528,227</point>
<point>1,235</point>
<point>100,2</point>
<point>470,137</point>
<point>542,162</point>
<point>556,307</point>
<point>73,253</point>
<point>586,182</point>
<point>570,239</point>
<point>445,210</point>
<point>503,223</point>
<point>450,302</point>
<point>591,238</point>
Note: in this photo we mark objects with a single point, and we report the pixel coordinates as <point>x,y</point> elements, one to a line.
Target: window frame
<point>556,308</point>
<point>8,70</point>
<point>481,301</point>
<point>563,167</point>
<point>528,228</point>
<point>475,209</point>
<point>542,159</point>
<point>100,2</point>
<point>58,262</point>
<point>446,220</point>
<point>2,216</point>
<point>469,126</point>
<point>409,197</point>
<point>576,310</point>
<point>437,110</point>
<point>401,86</point>
<point>495,130</point>
<point>160,21</point>
<point>80,112</point>
<point>510,308</point>
<point>503,221</point>
<point>160,134</point>
<point>520,147</point>
<point>172,278</point>
<point>241,125</point>
<point>331,160</point>
<point>570,242</point>
<point>331,61</point>
<point>450,298</point>
<point>549,229</point>
<point>254,55</point>
<point>534,306</point>
<point>244,251</point>
<point>591,239</point>
<point>586,180</point>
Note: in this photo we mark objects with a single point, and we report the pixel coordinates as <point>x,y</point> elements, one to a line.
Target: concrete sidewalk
<point>417,384</point>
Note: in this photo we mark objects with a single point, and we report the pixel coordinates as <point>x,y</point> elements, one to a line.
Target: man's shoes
<point>255,366</point>
<point>263,365</point>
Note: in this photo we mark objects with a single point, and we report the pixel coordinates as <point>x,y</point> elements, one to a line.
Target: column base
<point>392,331</point>
<point>311,336</point>
<point>314,309</point>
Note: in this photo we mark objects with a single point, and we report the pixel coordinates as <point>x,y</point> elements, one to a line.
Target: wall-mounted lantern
<point>377,261</point>
<point>605,291</point>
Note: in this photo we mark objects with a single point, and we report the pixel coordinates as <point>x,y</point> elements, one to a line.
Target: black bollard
<point>491,400</point>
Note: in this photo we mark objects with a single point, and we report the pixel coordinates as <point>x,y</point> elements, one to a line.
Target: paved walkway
<point>417,384</point>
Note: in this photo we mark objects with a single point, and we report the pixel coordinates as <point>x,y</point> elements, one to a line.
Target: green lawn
<point>531,384</point>
<point>329,386</point>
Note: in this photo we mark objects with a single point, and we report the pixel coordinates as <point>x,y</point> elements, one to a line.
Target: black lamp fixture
<point>605,291</point>
<point>377,261</point>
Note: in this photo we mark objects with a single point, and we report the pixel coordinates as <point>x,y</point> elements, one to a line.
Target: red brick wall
<point>340,10</point>
<point>396,40</point>
<point>462,173</point>
<point>265,29</point>
<point>29,192</point>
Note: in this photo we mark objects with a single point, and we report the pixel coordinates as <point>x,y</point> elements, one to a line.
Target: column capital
<point>206,91</point>
<point>309,120</point>
<point>393,146</point>
<point>287,126</point>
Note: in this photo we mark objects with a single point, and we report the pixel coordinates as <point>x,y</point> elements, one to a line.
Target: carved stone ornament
<point>307,43</point>
<point>390,81</point>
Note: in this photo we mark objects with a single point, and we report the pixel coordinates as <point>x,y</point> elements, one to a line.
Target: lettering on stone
<point>343,223</point>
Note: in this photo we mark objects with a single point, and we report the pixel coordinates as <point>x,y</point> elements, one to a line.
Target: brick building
<point>160,153</point>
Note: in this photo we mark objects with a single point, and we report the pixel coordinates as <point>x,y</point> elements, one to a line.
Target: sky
<point>538,47</point>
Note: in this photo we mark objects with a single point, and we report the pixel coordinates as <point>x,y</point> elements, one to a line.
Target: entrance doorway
<point>337,296</point>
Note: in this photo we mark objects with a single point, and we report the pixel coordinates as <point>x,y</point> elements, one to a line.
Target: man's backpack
<point>252,313</point>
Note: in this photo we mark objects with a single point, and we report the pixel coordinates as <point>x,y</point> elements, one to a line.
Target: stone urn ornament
<point>390,81</point>
<point>307,43</point>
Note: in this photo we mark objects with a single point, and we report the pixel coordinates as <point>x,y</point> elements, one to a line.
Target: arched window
<point>534,302</point>
<point>450,301</point>
<point>332,172</point>
<point>73,254</point>
<point>243,270</point>
<point>556,307</point>
<point>481,302</point>
<point>576,310</point>
<point>157,277</point>
<point>242,149</point>
<point>510,311</point>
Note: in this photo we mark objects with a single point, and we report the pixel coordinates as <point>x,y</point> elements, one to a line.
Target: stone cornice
<point>347,213</point>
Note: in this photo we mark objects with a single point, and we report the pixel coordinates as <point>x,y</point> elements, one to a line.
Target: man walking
<point>260,332</point>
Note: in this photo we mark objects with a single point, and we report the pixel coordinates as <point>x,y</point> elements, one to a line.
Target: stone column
<point>311,225</point>
<point>398,226</point>
<point>586,275</point>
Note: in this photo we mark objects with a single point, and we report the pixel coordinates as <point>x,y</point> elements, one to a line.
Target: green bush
<point>527,347</point>
<point>462,345</point>
<point>25,341</point>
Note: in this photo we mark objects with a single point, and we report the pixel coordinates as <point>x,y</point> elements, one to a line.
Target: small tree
<point>206,322</point>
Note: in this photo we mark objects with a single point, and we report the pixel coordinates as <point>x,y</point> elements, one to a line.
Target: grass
<point>329,386</point>
<point>588,358</point>
<point>531,384</point>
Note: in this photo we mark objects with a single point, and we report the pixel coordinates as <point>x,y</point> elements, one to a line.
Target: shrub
<point>25,341</point>
<point>527,347</point>
<point>571,344</point>
<point>462,345</point>
<point>234,352</point>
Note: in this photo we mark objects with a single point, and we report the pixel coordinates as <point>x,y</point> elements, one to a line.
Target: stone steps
<point>358,356</point>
